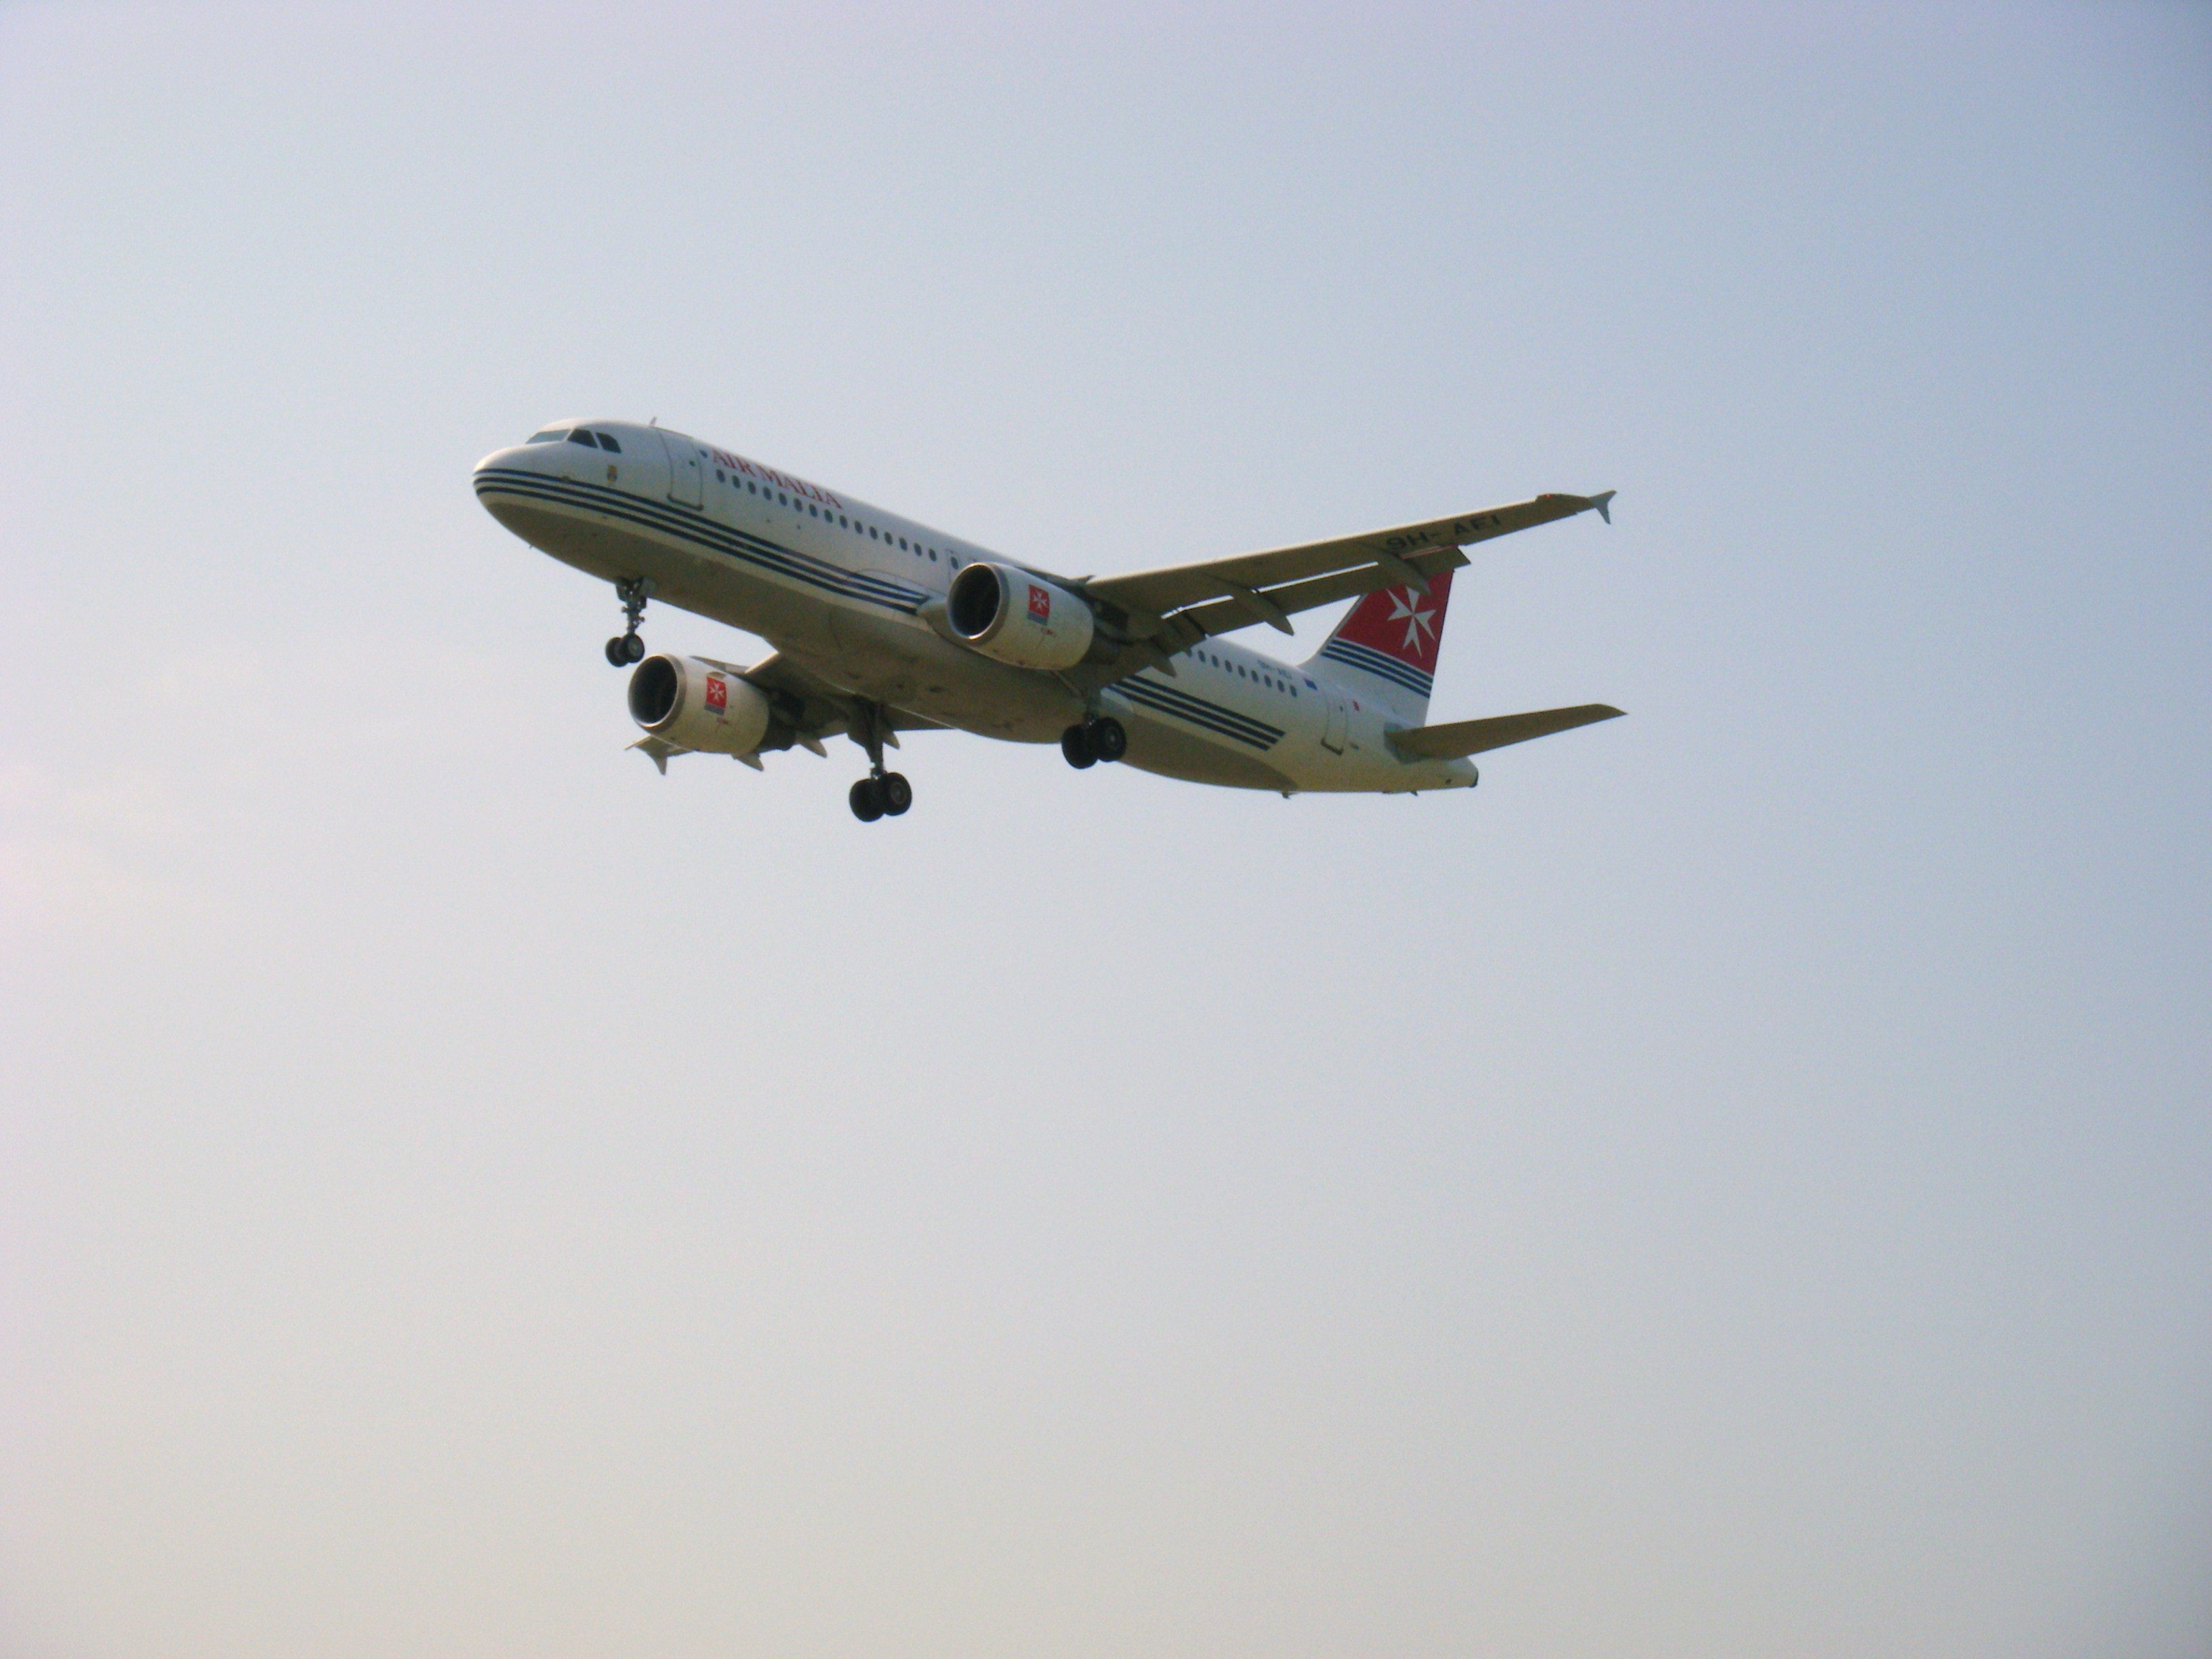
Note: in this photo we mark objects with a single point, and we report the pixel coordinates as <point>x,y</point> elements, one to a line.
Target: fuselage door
<point>686,477</point>
<point>1340,722</point>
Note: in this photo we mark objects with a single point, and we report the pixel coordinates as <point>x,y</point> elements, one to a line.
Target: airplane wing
<point>812,705</point>
<point>1174,607</point>
<point>1476,737</point>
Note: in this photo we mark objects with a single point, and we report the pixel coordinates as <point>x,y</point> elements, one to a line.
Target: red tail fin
<point>1393,636</point>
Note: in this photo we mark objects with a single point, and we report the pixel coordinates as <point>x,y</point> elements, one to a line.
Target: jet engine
<point>698,705</point>
<point>1015,618</point>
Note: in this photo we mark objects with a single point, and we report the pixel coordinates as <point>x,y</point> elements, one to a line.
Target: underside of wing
<point>812,705</point>
<point>1462,737</point>
<point>1174,587</point>
<point>1160,612</point>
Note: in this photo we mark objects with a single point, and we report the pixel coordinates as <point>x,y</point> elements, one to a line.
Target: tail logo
<point>1393,634</point>
<point>1406,607</point>
<point>1402,624</point>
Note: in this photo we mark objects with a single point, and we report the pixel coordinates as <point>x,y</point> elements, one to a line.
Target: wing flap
<point>1227,615</point>
<point>1461,737</point>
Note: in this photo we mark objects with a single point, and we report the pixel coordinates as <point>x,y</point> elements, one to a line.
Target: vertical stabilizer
<point>1386,647</point>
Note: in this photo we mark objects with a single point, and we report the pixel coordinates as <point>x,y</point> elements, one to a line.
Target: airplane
<point>881,625</point>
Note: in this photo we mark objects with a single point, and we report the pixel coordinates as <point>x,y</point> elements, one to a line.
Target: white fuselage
<point>836,585</point>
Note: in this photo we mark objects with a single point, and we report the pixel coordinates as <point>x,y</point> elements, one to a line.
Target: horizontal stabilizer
<point>1476,737</point>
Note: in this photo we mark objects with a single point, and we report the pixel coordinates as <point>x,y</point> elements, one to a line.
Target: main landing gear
<point>876,797</point>
<point>626,647</point>
<point>1094,740</point>
<point>880,794</point>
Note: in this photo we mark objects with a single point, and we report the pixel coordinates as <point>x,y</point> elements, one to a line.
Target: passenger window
<point>752,490</point>
<point>606,441</point>
<point>841,525</point>
<point>901,541</point>
<point>581,436</point>
<point>812,510</point>
<point>718,475</point>
<point>871,532</point>
<point>933,555</point>
<point>785,499</point>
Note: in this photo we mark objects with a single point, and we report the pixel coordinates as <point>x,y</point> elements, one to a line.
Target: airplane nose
<point>520,458</point>
<point>505,476</point>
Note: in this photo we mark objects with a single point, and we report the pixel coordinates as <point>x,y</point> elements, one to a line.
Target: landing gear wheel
<point>881,793</point>
<point>1076,743</point>
<point>633,648</point>
<point>618,649</point>
<point>1107,738</point>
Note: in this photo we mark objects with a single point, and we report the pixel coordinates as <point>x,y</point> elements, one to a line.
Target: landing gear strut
<point>1094,740</point>
<point>626,647</point>
<point>881,793</point>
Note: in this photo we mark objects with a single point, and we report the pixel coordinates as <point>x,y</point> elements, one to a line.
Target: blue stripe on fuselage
<point>1198,711</point>
<point>1370,661</point>
<point>744,546</point>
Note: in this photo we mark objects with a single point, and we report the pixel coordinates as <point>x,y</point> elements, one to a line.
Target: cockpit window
<point>552,435</point>
<point>607,441</point>
<point>581,436</point>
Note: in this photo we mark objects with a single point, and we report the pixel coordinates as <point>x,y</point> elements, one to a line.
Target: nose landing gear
<point>880,794</point>
<point>626,647</point>
<point>1094,740</point>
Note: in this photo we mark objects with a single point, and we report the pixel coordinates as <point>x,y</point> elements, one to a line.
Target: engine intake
<point>1014,618</point>
<point>696,705</point>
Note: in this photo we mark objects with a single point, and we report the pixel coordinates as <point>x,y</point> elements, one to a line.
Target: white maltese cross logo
<point>1404,607</point>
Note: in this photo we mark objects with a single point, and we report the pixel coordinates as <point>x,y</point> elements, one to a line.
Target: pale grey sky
<point>1740,1182</point>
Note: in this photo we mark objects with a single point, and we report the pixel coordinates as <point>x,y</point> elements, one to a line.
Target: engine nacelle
<point>695,705</point>
<point>1015,618</point>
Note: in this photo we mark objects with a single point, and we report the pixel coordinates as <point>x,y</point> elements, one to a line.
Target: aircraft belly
<point>897,659</point>
<point>1157,745</point>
